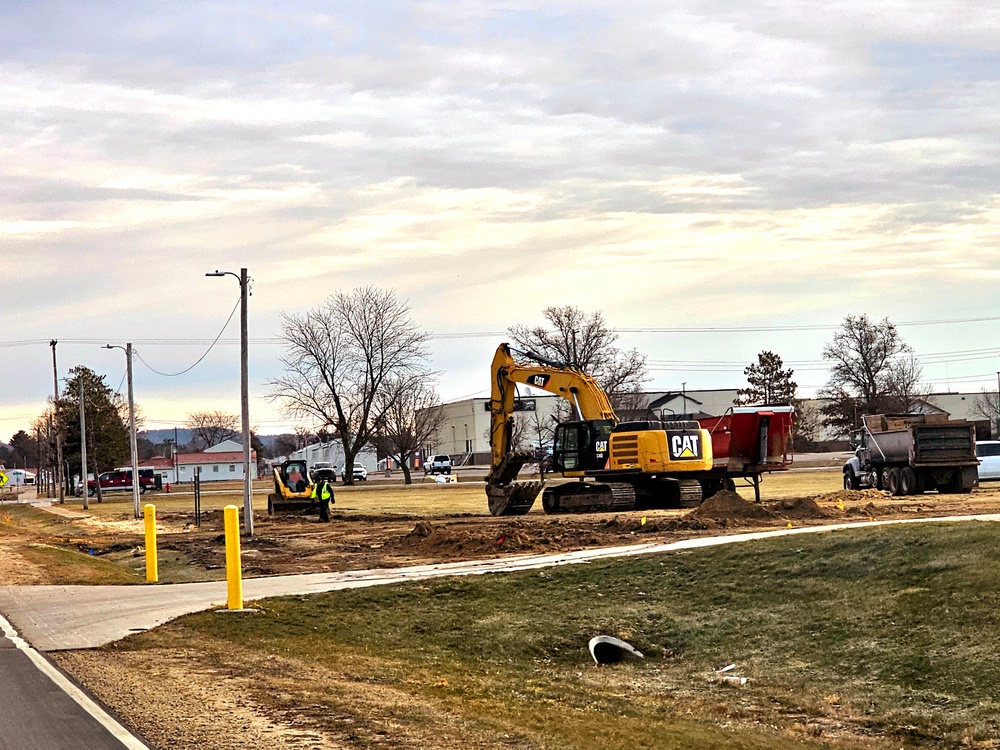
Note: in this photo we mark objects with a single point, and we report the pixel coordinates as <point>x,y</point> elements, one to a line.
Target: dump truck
<point>909,454</point>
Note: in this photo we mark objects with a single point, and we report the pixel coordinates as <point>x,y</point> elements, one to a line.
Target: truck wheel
<point>850,481</point>
<point>893,484</point>
<point>884,479</point>
<point>907,481</point>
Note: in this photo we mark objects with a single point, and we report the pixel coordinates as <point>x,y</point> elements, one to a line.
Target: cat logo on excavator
<point>685,447</point>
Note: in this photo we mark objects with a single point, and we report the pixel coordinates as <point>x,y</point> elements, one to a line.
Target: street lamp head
<point>216,273</point>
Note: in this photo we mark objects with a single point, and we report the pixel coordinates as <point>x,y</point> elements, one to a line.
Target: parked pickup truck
<point>438,465</point>
<point>120,480</point>
<point>908,454</point>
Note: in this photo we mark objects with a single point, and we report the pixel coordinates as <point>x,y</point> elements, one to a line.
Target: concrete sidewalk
<point>54,618</point>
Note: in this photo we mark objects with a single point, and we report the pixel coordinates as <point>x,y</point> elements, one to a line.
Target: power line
<point>197,361</point>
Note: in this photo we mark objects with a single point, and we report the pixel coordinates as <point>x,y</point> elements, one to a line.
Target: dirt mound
<point>852,496</point>
<point>869,511</point>
<point>728,506</point>
<point>428,538</point>
<point>800,507</point>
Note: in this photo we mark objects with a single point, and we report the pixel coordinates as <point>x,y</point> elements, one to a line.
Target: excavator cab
<point>581,446</point>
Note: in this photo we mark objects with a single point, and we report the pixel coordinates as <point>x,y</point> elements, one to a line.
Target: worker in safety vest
<point>322,494</point>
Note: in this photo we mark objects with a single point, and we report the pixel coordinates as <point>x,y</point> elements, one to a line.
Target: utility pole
<point>83,447</point>
<point>59,442</point>
<point>244,398</point>
<point>131,427</point>
<point>245,406</point>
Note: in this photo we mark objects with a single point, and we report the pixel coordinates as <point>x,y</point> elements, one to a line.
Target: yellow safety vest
<point>326,491</point>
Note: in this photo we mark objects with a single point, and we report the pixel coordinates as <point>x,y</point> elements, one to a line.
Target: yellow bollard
<point>234,570</point>
<point>152,563</point>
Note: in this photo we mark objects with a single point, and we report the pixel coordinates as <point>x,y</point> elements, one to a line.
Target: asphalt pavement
<point>45,710</point>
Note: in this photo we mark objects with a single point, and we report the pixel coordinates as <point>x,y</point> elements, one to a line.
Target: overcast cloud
<point>689,164</point>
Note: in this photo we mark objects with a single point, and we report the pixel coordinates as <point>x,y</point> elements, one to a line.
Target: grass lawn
<point>28,558</point>
<point>882,637</point>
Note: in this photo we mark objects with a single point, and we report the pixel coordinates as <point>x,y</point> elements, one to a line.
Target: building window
<point>232,468</point>
<point>215,468</point>
<point>184,468</point>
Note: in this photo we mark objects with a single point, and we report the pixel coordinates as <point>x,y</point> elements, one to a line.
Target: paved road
<point>43,710</point>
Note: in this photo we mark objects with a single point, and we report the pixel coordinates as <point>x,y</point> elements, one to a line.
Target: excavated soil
<point>290,544</point>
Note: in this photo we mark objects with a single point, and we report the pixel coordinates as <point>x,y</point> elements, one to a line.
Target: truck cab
<point>856,470</point>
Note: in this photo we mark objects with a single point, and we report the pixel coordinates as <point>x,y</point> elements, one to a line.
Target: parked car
<point>360,473</point>
<point>115,481</point>
<point>322,471</point>
<point>438,465</point>
<point>988,453</point>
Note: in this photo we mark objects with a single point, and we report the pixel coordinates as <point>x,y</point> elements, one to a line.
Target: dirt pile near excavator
<point>799,507</point>
<point>852,496</point>
<point>729,507</point>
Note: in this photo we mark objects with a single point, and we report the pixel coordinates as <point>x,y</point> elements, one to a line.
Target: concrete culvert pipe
<point>607,649</point>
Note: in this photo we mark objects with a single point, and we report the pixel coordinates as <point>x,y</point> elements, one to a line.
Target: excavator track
<point>588,497</point>
<point>513,499</point>
<point>691,493</point>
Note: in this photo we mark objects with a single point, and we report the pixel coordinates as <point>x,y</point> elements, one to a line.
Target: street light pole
<point>244,398</point>
<point>131,427</point>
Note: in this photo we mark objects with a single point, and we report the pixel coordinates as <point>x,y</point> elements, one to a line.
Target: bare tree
<point>987,406</point>
<point>340,356</point>
<point>411,416</point>
<point>807,425</point>
<point>584,341</point>
<point>905,384</point>
<point>211,428</point>
<point>863,354</point>
<point>304,436</point>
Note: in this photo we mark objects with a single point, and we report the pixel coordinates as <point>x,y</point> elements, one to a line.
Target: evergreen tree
<point>767,382</point>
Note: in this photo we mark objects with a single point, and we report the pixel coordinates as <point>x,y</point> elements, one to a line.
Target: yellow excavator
<point>619,466</point>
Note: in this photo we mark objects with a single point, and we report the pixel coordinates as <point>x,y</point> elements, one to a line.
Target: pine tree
<point>767,382</point>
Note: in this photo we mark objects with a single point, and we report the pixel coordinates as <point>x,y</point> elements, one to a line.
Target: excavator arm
<point>507,497</point>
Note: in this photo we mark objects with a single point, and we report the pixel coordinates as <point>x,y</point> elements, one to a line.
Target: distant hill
<point>158,436</point>
<point>184,436</point>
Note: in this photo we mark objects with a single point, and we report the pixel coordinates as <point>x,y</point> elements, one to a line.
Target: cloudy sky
<point>716,178</point>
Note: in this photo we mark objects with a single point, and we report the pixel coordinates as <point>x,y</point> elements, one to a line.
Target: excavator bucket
<point>514,499</point>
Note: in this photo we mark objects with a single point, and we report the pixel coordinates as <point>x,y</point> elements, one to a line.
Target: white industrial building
<point>332,452</point>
